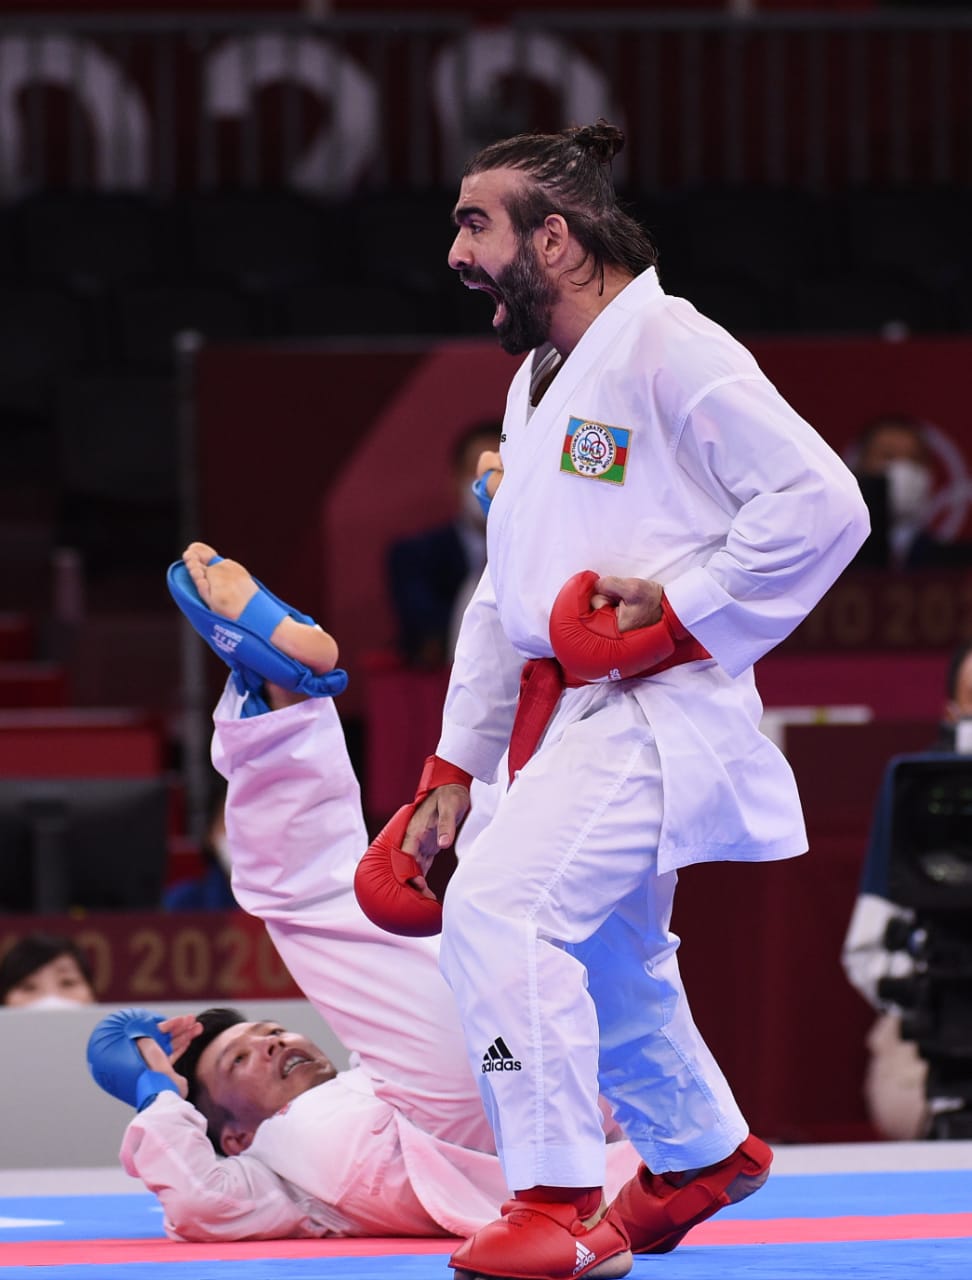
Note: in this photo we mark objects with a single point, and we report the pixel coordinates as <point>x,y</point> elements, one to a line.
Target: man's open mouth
<point>486,286</point>
<point>292,1060</point>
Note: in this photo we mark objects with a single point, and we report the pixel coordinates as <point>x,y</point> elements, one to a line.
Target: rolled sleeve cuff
<point>476,753</point>
<point>714,619</point>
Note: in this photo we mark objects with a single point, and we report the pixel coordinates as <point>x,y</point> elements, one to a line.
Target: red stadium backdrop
<point>487,9</point>
<point>220,95</point>
<point>314,458</point>
<point>148,957</point>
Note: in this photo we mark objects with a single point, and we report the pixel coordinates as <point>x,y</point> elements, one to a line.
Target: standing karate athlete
<point>664,519</point>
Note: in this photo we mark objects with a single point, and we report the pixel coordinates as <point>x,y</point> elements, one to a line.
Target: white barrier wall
<point>53,1115</point>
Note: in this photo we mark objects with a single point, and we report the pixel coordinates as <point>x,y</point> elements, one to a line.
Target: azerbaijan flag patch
<point>596,450</point>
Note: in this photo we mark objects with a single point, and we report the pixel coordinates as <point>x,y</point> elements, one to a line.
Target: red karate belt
<point>543,680</point>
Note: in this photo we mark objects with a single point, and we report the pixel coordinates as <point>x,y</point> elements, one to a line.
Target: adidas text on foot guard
<point>536,1240</point>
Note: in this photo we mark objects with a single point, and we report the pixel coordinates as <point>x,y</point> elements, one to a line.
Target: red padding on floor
<point>915,1226</point>
<point>48,1253</point>
<point>900,1226</point>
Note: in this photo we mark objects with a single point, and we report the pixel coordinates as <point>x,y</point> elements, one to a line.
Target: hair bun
<point>604,139</point>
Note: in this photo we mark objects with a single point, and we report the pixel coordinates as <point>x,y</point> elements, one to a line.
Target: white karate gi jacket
<point>398,1144</point>
<point>728,498</point>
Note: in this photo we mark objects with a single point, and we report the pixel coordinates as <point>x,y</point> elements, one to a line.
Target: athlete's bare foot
<point>227,588</point>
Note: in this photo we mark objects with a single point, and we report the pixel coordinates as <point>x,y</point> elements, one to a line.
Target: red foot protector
<point>542,1241</point>
<point>589,646</point>
<point>381,879</point>
<point>656,1214</point>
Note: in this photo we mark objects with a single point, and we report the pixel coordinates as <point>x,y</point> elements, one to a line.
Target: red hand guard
<point>381,877</point>
<point>589,646</point>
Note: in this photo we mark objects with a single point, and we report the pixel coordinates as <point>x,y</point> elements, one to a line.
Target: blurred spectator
<point>432,573</point>
<point>894,1087</point>
<point>209,891</point>
<point>45,971</point>
<point>893,462</point>
<point>489,470</point>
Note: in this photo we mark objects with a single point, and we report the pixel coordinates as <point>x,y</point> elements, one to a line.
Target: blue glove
<point>481,492</point>
<point>245,645</point>
<point>117,1065</point>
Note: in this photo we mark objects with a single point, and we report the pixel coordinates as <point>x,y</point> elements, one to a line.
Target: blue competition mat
<point>133,1217</point>
<point>869,1226</point>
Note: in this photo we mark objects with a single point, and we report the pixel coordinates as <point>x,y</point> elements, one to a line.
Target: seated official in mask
<point>894,466</point>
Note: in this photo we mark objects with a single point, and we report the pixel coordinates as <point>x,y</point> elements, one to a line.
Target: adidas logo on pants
<point>498,1058</point>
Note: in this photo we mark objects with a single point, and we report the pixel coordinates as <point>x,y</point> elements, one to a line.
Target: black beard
<point>529,299</point>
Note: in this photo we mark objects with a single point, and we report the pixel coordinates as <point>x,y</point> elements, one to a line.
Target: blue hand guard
<point>479,489</point>
<point>115,1062</point>
<point>245,646</point>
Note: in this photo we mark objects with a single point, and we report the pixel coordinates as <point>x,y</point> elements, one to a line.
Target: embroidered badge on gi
<point>596,450</point>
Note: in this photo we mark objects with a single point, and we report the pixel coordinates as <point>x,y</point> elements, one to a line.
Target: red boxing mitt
<point>381,879</point>
<point>589,646</point>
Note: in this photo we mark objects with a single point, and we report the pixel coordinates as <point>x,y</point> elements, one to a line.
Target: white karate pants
<point>557,945</point>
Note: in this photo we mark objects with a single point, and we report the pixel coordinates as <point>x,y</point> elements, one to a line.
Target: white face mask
<point>51,1002</point>
<point>909,488</point>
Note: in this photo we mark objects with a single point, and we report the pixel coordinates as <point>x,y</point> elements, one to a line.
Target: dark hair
<point>214,1023</point>
<point>469,435</point>
<point>955,665</point>
<point>570,174</point>
<point>896,421</point>
<point>32,953</point>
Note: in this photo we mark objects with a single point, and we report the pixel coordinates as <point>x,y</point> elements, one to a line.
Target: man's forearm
<point>204,1196</point>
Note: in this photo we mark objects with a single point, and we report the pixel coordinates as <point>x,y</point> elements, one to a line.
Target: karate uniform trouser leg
<point>573,838</point>
<point>297,833</point>
<point>665,1088</point>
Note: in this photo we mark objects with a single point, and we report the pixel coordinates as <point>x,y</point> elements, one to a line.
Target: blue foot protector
<point>245,647</point>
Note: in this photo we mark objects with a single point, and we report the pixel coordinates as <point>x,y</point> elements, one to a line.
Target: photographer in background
<point>896,1080</point>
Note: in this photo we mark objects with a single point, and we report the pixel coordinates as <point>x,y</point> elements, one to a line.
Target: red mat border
<point>914,1226</point>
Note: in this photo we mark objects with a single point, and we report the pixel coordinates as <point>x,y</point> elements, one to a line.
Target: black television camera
<point>931,874</point>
